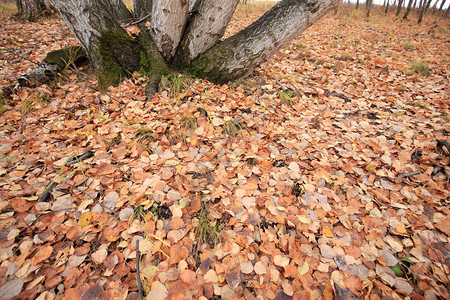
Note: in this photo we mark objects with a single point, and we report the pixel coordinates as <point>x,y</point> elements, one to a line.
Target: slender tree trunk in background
<point>399,7</point>
<point>428,3</point>
<point>30,10</point>
<point>206,26</point>
<point>368,7</point>
<point>442,5</point>
<point>423,4</point>
<point>408,9</point>
<point>423,10</point>
<point>387,7</point>
<point>357,4</point>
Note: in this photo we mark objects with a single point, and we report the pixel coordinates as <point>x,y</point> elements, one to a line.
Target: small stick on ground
<point>410,174</point>
<point>138,276</point>
<point>46,194</point>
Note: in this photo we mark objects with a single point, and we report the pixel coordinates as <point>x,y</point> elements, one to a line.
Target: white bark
<point>206,26</point>
<point>97,30</point>
<point>86,19</point>
<point>167,25</point>
<point>240,54</point>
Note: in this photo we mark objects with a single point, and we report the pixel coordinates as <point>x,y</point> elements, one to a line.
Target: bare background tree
<point>31,10</point>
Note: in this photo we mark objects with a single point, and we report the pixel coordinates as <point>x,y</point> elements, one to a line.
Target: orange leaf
<point>401,229</point>
<point>327,232</point>
<point>328,292</point>
<point>42,255</point>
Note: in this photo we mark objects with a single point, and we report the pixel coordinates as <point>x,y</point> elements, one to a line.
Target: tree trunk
<point>408,9</point>
<point>240,54</point>
<point>119,9</point>
<point>357,4</point>
<point>30,10</point>
<point>113,53</point>
<point>368,7</point>
<point>387,7</point>
<point>428,3</point>
<point>142,8</point>
<point>399,7</point>
<point>206,26</point>
<point>442,5</point>
<point>169,19</point>
<point>422,10</point>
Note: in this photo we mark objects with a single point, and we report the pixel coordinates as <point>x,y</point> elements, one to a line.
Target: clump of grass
<point>232,128</point>
<point>286,97</point>
<point>114,141</point>
<point>174,83</point>
<point>7,8</point>
<point>206,231</point>
<point>408,46</point>
<point>139,214</point>
<point>345,57</point>
<point>144,137</point>
<point>187,123</point>
<point>420,67</point>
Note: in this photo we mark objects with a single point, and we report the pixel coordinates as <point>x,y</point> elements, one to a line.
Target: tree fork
<point>240,54</point>
<point>156,66</point>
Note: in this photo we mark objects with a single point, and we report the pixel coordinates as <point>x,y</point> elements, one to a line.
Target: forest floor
<point>323,175</point>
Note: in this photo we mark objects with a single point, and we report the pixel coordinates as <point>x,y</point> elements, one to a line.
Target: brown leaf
<point>42,254</point>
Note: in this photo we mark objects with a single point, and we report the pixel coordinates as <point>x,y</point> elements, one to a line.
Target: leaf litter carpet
<point>322,175</point>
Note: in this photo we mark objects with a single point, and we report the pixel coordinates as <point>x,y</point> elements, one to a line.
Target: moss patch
<point>65,57</point>
<point>120,56</point>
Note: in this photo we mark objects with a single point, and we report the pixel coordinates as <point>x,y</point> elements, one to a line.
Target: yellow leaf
<point>401,229</point>
<point>85,219</point>
<point>304,219</point>
<point>370,167</point>
<point>327,232</point>
<point>302,270</point>
<point>145,202</point>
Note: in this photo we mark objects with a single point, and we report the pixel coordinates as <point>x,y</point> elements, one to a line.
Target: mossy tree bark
<point>113,53</point>
<point>240,54</point>
<point>206,26</point>
<point>193,37</point>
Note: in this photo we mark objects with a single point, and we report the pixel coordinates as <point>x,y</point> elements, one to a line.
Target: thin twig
<point>20,57</point>
<point>138,276</point>
<point>413,173</point>
<point>138,21</point>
